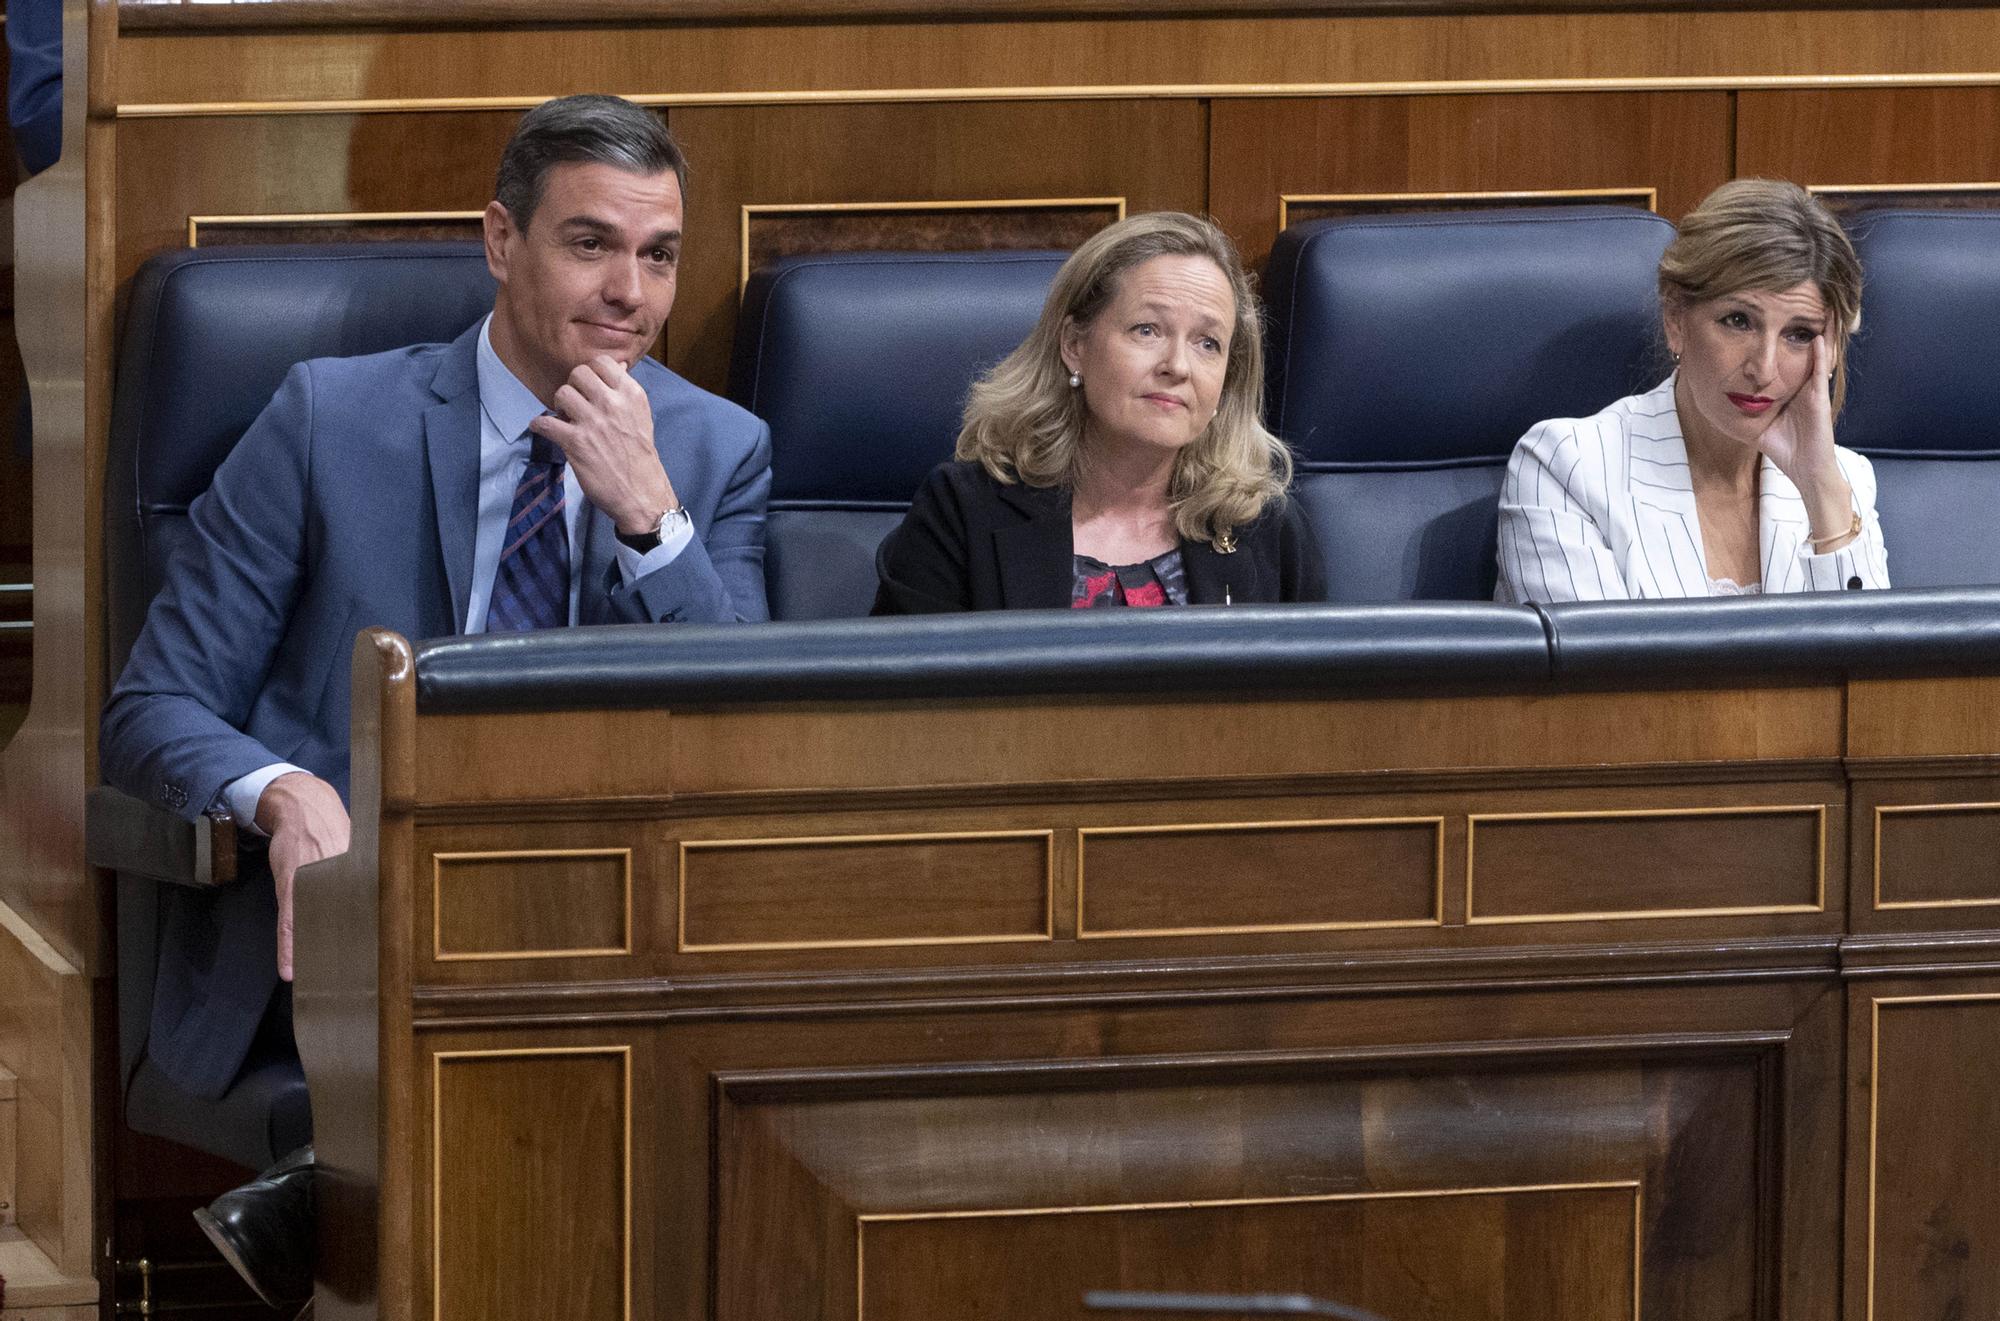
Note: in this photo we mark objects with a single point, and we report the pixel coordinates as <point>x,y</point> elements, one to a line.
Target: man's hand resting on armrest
<point>306,821</point>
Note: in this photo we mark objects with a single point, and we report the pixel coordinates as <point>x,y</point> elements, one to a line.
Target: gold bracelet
<point>1853,529</point>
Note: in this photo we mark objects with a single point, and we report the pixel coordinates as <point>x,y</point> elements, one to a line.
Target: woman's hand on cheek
<point>1800,439</point>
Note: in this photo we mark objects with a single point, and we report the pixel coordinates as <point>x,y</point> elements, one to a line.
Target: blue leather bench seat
<point>1924,390</point>
<point>860,363</point>
<point>1409,353</point>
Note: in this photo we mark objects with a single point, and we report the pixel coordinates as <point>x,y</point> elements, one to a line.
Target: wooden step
<point>36,1290</point>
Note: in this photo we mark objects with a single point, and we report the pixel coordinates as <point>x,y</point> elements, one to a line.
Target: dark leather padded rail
<point>1212,651</point>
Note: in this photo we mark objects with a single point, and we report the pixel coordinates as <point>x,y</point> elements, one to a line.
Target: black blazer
<point>971,543</point>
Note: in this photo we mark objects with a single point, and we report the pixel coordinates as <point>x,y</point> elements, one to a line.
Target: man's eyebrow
<point>587,224</point>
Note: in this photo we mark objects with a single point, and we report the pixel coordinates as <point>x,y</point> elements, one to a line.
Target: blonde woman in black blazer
<point>1117,456</point>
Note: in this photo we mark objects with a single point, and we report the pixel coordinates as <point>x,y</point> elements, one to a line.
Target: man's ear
<point>497,228</point>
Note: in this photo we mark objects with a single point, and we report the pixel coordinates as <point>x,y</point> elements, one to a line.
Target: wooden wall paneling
<point>1149,153</point>
<point>193,15</point>
<point>533,1143</point>
<point>46,1047</point>
<point>1551,1252</point>
<point>1901,135</point>
<point>1267,876</point>
<point>272,166</point>
<point>335,227</point>
<point>888,746</point>
<point>1923,1156</point>
<point>928,889</point>
<point>1675,142</point>
<point>1260,1102</point>
<point>1899,718</point>
<point>688,62</point>
<point>538,896</point>
<point>774,231</point>
<point>1554,866</point>
<point>1926,848</point>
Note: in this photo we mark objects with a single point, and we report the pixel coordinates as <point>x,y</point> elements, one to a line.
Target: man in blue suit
<point>539,471</point>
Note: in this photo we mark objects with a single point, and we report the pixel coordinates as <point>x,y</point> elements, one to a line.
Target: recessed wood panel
<point>532,903</point>
<point>1277,876</point>
<point>771,232</point>
<point>1301,208</point>
<point>869,890</point>
<point>532,1146</point>
<point>1942,856</point>
<point>336,227</point>
<point>1674,143</point>
<point>1210,56</point>
<point>1884,135</point>
<point>1553,1254</point>
<point>1933,1158</point>
<point>1149,153</point>
<point>299,165</point>
<point>1433,1191</point>
<point>1578,866</point>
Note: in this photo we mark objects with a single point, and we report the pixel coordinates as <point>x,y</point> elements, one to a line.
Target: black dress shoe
<point>265,1230</point>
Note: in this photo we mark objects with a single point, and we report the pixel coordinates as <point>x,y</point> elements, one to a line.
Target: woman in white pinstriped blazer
<point>1724,479</point>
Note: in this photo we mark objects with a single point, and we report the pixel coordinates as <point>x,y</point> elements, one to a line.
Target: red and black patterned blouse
<point>1095,584</point>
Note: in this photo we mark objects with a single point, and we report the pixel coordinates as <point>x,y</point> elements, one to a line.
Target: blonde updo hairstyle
<point>1766,235</point>
<point>1024,422</point>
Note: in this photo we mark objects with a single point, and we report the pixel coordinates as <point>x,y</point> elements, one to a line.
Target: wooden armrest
<point>125,835</point>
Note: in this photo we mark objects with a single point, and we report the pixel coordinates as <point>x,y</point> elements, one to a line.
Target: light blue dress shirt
<point>506,406</point>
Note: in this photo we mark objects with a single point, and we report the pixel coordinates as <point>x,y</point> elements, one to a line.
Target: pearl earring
<point>1075,380</point>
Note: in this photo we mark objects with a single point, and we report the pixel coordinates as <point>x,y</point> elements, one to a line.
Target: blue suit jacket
<point>351,502</point>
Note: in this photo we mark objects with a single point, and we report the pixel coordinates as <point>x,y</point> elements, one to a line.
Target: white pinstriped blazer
<point>1601,508</point>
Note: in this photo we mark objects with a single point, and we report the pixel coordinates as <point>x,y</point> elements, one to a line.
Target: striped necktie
<point>531,590</point>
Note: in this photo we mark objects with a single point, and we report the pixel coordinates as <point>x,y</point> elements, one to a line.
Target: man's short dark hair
<point>590,129</point>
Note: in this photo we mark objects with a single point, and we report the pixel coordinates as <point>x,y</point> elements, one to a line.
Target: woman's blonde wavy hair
<point>1024,423</point>
<point>1766,234</point>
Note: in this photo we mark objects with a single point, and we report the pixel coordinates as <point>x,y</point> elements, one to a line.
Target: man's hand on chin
<point>306,821</point>
<point>603,421</point>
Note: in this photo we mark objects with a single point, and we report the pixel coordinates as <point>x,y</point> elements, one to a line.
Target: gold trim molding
<point>1083,835</point>
<point>751,209</point>
<point>1818,810</point>
<point>624,1056</point>
<point>1072,92</point>
<point>273,221</point>
<point>1873,189</point>
<point>1635,1186</point>
<point>1936,809</point>
<point>514,855</point>
<point>1647,197</point>
<point>687,846</point>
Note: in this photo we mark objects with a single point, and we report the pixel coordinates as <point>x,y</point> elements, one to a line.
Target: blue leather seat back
<point>860,363</point>
<point>210,334</point>
<point>1923,395</point>
<point>1409,353</point>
